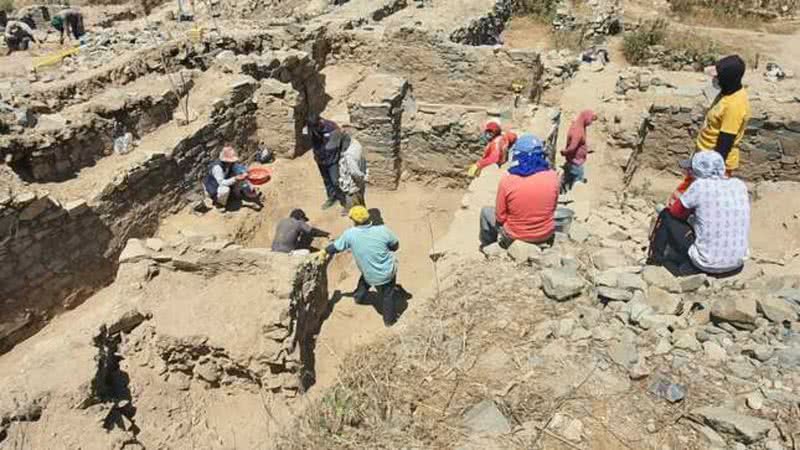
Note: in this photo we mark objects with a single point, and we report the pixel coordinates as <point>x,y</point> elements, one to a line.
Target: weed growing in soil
<point>542,9</point>
<point>7,5</point>
<point>636,44</point>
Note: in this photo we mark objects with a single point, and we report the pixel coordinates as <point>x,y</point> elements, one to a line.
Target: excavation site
<point>400,224</point>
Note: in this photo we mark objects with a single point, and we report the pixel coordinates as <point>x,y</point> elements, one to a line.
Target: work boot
<point>329,203</point>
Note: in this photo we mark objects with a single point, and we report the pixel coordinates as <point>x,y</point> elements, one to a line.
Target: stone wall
<point>606,19</point>
<point>441,142</point>
<point>77,251</point>
<point>485,30</point>
<point>377,111</point>
<point>770,148</point>
<point>63,143</point>
<point>51,257</point>
<point>293,87</point>
<point>763,8</point>
<point>290,315</point>
<point>439,70</point>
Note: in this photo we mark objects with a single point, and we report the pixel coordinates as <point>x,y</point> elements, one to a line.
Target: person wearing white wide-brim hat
<point>225,177</point>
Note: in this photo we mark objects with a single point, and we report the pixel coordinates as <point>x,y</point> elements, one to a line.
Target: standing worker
<point>68,21</point>
<point>294,233</point>
<point>373,248</point>
<point>726,120</point>
<point>226,177</point>
<point>576,151</point>
<point>18,36</point>
<point>352,169</point>
<point>327,160</point>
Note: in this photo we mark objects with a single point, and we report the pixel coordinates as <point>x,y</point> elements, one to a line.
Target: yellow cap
<point>359,214</point>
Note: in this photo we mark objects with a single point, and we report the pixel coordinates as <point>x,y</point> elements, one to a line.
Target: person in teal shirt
<point>373,248</point>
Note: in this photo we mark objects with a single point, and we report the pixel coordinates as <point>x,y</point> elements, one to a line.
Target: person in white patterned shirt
<point>708,230</point>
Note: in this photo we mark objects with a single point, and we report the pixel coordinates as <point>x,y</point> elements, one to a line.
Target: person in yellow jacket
<point>726,120</point>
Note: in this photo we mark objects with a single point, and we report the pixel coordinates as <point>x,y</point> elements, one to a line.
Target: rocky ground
<point>203,339</point>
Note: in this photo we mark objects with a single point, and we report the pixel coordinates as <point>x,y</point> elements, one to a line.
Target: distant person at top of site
<point>496,147</point>
<point>69,21</point>
<point>294,233</point>
<point>18,36</point>
<point>726,120</point>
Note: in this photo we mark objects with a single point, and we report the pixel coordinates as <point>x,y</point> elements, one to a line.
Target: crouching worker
<point>227,178</point>
<point>526,199</point>
<point>497,144</point>
<point>294,234</point>
<point>706,230</point>
<point>18,36</point>
<point>373,248</point>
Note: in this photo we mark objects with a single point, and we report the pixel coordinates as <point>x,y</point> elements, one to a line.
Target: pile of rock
<point>638,79</point>
<point>731,344</point>
<point>102,46</point>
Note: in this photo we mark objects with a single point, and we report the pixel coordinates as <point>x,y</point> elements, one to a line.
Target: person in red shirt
<point>496,150</point>
<point>577,150</point>
<point>527,197</point>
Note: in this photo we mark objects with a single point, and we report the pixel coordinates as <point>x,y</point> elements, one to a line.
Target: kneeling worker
<point>18,36</point>
<point>226,176</point>
<point>295,233</point>
<point>373,248</point>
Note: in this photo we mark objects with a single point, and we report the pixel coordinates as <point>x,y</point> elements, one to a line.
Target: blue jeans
<point>330,177</point>
<point>573,173</point>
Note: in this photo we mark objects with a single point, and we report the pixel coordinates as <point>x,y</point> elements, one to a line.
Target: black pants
<point>670,243</point>
<point>386,293</point>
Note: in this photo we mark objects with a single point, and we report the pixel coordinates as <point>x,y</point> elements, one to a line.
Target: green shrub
<point>636,43</point>
<point>543,9</point>
<point>7,5</point>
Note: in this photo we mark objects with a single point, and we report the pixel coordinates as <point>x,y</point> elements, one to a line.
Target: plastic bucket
<point>259,175</point>
<point>563,217</point>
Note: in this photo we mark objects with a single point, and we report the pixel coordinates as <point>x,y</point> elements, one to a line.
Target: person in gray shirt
<point>295,233</point>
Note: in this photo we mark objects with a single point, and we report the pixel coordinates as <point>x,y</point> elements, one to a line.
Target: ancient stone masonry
<point>763,8</point>
<point>377,115</point>
<point>292,88</point>
<point>283,359</point>
<point>51,257</point>
<point>770,148</point>
<point>70,250</point>
<point>485,30</point>
<point>605,19</point>
<point>63,143</point>
<point>441,141</point>
<point>269,352</point>
<point>441,71</point>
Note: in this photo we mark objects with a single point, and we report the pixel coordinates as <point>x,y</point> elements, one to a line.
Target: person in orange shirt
<point>497,145</point>
<point>527,197</point>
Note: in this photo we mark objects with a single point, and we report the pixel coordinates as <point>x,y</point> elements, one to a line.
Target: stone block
<point>561,284</point>
<point>738,311</point>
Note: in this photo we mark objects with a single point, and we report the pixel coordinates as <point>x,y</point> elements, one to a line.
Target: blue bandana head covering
<point>527,156</point>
